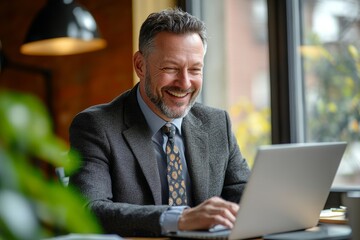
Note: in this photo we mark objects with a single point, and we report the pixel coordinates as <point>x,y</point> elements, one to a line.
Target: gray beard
<point>161,105</point>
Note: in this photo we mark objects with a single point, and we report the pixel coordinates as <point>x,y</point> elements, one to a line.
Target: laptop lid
<point>288,188</point>
<point>286,191</point>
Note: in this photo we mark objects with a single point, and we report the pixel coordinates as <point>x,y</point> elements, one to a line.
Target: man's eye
<point>196,70</point>
<point>169,70</point>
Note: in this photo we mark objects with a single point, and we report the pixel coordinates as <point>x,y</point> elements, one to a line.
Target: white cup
<point>351,200</point>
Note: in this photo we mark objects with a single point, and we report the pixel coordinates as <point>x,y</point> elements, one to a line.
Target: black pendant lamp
<point>62,27</point>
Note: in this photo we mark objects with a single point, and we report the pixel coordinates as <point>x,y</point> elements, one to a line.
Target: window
<point>330,53</point>
<point>310,49</point>
<point>236,73</point>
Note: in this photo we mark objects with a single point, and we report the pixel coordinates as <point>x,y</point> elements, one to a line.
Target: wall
<point>78,81</point>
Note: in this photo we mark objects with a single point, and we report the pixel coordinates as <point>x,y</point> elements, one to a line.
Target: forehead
<point>171,44</point>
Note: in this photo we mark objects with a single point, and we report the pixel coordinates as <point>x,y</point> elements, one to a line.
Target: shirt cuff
<point>170,218</point>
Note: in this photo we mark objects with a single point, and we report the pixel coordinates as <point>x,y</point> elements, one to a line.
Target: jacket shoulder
<point>199,107</point>
<point>206,115</point>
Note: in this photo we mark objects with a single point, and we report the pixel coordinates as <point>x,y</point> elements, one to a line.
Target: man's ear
<point>139,65</point>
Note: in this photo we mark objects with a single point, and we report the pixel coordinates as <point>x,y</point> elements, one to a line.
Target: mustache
<point>179,90</point>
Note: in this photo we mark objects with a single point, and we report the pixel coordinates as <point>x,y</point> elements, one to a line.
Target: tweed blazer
<point>119,174</point>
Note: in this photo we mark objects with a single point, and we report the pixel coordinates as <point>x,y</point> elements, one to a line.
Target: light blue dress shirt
<point>169,219</point>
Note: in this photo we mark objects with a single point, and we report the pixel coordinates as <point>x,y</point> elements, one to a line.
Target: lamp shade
<point>62,27</point>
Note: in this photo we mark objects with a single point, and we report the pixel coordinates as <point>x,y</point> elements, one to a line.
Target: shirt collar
<point>153,120</point>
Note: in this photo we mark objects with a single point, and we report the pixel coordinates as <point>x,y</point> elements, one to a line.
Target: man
<point>125,163</point>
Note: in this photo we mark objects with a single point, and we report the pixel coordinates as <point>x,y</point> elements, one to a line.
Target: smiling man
<point>171,75</point>
<point>154,160</point>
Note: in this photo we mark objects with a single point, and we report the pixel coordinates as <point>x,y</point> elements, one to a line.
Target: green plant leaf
<point>26,133</point>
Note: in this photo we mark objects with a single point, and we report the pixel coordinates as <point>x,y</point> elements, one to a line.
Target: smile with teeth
<point>177,93</point>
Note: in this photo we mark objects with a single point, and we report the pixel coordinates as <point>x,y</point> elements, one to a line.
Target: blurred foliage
<point>333,90</point>
<point>32,205</point>
<point>252,127</point>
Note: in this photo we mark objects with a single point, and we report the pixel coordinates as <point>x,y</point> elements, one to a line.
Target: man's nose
<point>184,79</point>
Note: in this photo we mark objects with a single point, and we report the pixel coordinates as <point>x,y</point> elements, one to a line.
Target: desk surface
<point>147,238</point>
<point>338,231</point>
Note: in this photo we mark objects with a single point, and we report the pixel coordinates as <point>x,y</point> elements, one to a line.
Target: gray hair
<point>172,21</point>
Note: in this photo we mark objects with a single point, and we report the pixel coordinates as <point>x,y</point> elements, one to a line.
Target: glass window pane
<point>331,72</point>
<point>236,73</point>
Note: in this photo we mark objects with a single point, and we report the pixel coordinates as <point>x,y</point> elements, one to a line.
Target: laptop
<point>286,191</point>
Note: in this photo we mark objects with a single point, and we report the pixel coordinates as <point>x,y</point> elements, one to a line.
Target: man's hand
<point>212,212</point>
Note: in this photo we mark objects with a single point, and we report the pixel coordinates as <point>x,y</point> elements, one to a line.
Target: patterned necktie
<point>177,192</point>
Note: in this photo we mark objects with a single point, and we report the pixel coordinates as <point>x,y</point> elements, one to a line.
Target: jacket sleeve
<point>94,181</point>
<point>237,171</point>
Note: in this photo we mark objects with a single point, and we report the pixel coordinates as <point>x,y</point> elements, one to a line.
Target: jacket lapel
<point>138,136</point>
<point>197,149</point>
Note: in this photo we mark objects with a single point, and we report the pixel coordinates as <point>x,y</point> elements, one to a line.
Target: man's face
<point>173,74</point>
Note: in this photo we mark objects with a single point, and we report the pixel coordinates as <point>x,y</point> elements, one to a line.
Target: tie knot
<point>169,129</point>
